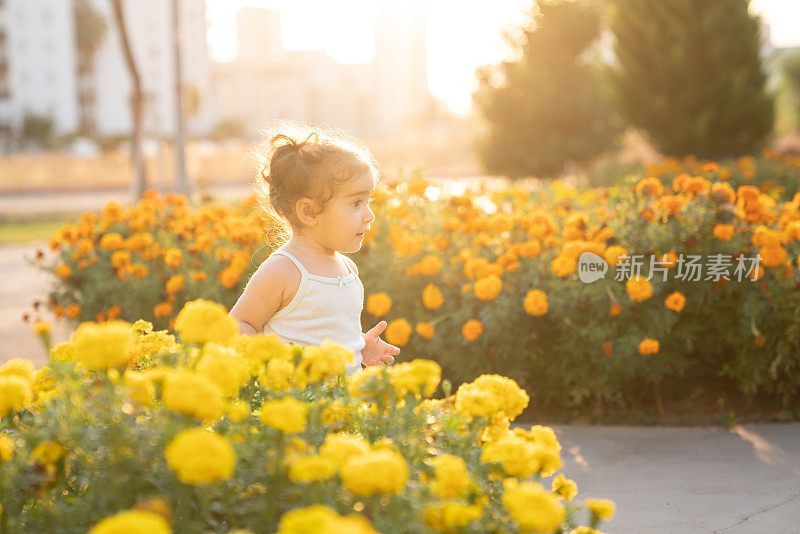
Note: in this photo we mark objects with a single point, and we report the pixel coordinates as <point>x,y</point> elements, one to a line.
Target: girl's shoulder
<point>350,263</point>
<point>278,268</point>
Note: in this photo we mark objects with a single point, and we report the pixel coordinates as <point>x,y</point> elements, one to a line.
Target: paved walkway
<point>664,480</point>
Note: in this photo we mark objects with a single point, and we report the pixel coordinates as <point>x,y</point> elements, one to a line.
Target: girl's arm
<point>264,294</point>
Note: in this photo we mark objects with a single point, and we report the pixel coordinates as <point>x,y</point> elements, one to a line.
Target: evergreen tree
<point>545,108</point>
<point>689,74</point>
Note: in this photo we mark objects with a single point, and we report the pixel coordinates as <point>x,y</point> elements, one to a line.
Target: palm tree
<point>137,103</point>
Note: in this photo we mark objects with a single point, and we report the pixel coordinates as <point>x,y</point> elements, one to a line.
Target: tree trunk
<point>137,104</point>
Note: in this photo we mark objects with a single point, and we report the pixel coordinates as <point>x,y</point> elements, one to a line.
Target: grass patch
<point>15,231</point>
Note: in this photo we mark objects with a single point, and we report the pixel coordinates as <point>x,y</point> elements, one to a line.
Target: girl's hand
<point>376,351</point>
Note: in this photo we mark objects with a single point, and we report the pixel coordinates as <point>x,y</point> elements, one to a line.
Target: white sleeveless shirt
<point>323,308</point>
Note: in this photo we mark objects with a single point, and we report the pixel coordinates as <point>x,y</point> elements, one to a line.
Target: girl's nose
<point>370,215</point>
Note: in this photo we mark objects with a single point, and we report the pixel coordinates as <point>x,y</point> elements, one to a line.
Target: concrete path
<point>685,480</point>
<point>664,480</point>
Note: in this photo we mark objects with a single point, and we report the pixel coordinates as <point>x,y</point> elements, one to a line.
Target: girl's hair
<point>298,161</point>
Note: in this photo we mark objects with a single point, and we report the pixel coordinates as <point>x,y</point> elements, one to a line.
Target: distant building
<point>37,64</point>
<point>150,24</point>
<point>40,72</point>
<point>377,99</point>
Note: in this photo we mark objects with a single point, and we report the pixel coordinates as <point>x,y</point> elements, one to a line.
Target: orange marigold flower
<point>648,346</point>
<point>639,289</point>
<point>723,192</point>
<point>175,283</point>
<point>563,265</point>
<point>748,193</point>
<point>488,288</point>
<point>723,232</point>
<point>432,297</point>
<point>472,329</point>
<point>759,341</point>
<point>64,271</point>
<point>379,304</point>
<point>615,309</point>
<point>608,348</point>
<point>112,241</point>
<point>675,301</point>
<point>398,332</point>
<point>773,256</point>
<point>162,309</point>
<point>199,276</point>
<point>73,311</point>
<point>649,186</point>
<point>613,254</point>
<point>535,302</point>
<point>173,257</point>
<point>425,329</point>
<point>114,312</point>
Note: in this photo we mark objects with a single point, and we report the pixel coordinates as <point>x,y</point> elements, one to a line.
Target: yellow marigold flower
<point>340,447</point>
<point>47,453</point>
<point>62,352</point>
<point>287,415</point>
<point>518,456</point>
<point>535,302</point>
<point>475,268</point>
<point>193,394</point>
<point>311,468</point>
<point>379,304</point>
<point>382,471</point>
<point>261,348</point>
<point>432,297</point>
<point>200,456</point>
<point>358,382</point>
<point>613,254</point>
<point>42,328</point>
<point>675,301</point>
<point>532,506</point>
<point>104,345</point>
<point>120,258</point>
<point>224,367</point>
<point>321,362</point>
<point>278,376</point>
<point>18,367</point>
<point>723,232</point>
<point>141,386</point>
<point>132,522</point>
<point>398,332</point>
<point>648,346</point>
<point>425,329</point>
<point>488,287</point>
<point>639,289</point>
<point>237,410</point>
<point>450,477</point>
<point>320,519</point>
<point>336,413</point>
<point>565,488</point>
<point>490,394</point>
<point>748,193</point>
<point>602,508</point>
<point>6,448</point>
<point>201,321</point>
<point>418,377</point>
<point>472,329</point>
<point>563,265</point>
<point>451,516</point>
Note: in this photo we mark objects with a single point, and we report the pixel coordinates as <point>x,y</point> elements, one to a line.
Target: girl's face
<point>347,216</point>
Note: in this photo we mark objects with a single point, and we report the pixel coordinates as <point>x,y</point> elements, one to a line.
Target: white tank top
<point>323,308</point>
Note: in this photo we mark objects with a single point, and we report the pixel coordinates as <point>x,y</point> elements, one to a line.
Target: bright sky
<point>344,30</point>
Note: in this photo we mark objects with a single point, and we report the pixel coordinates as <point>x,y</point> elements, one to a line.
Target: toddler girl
<point>307,290</point>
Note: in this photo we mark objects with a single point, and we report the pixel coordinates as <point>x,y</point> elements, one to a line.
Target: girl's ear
<point>306,211</point>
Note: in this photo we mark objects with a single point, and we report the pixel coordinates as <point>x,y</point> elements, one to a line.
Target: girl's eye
<point>357,203</point>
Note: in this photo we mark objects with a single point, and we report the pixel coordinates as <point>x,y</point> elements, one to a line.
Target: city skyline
<point>345,31</point>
